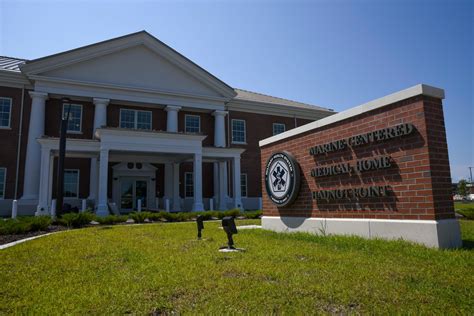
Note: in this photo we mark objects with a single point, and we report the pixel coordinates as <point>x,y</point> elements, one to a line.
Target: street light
<point>62,154</point>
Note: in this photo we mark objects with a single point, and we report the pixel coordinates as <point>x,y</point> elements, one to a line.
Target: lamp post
<point>62,155</point>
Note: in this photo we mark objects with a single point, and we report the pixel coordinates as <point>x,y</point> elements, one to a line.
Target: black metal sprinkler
<point>200,225</point>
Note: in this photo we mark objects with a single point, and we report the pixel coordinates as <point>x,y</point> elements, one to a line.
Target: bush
<point>252,214</point>
<point>76,220</point>
<point>112,219</point>
<point>24,225</point>
<point>468,213</point>
<point>139,217</point>
<point>39,223</point>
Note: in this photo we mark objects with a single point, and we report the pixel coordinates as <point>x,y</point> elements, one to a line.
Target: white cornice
<point>420,89</point>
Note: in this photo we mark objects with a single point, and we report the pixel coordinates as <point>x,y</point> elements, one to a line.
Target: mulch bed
<point>5,239</point>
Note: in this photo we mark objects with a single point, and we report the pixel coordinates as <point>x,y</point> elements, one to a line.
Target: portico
<point>143,148</point>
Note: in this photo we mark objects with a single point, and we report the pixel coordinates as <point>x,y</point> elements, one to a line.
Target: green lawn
<point>161,268</point>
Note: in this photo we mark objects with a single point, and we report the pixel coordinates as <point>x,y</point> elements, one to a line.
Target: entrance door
<point>132,190</point>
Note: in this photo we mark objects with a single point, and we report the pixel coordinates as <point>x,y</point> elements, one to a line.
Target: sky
<point>336,54</point>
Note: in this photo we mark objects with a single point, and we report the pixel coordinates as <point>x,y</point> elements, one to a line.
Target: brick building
<point>146,123</point>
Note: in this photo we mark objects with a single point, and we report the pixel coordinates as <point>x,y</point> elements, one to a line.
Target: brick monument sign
<point>379,170</point>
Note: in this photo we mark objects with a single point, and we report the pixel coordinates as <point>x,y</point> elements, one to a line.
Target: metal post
<point>62,155</point>
<point>14,208</point>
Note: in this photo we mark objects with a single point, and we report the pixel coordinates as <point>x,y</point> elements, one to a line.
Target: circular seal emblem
<point>282,178</point>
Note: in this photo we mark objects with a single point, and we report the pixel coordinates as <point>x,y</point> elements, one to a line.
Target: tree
<point>463,190</point>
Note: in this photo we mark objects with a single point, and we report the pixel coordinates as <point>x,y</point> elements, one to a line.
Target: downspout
<point>20,128</point>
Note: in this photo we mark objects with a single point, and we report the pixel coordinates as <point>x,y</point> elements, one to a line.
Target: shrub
<point>76,220</point>
<point>24,225</point>
<point>139,217</point>
<point>252,214</point>
<point>39,223</point>
<point>112,219</point>
<point>468,213</point>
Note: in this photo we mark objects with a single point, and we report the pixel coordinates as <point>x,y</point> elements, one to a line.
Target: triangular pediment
<point>137,61</point>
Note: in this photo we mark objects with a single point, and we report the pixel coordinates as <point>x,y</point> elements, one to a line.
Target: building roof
<point>263,98</point>
<point>11,63</point>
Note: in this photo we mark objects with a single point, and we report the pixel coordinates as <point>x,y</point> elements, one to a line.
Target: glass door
<point>140,192</point>
<point>132,190</point>
<point>126,194</point>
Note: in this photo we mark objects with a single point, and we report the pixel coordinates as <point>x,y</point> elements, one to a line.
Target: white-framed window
<point>5,112</point>
<point>71,183</point>
<point>243,184</point>
<point>238,131</point>
<point>136,119</point>
<point>278,128</point>
<point>74,124</point>
<point>188,184</point>
<point>3,179</point>
<point>192,123</point>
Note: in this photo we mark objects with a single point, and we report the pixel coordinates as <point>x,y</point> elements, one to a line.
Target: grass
<point>162,268</point>
<point>466,209</point>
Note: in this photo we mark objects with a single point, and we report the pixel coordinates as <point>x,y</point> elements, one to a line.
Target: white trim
<point>420,89</point>
<point>432,233</point>
<point>10,117</point>
<point>77,185</point>
<point>278,124</point>
<point>186,185</point>
<point>246,185</point>
<point>68,131</point>
<point>232,132</point>
<point>185,126</point>
<point>4,182</point>
<point>135,120</point>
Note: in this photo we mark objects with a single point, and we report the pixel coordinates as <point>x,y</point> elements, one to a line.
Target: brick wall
<point>258,127</point>
<point>419,177</point>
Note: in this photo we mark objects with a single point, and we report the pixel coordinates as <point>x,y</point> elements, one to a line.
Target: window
<point>3,176</point>
<point>188,185</point>
<point>74,124</point>
<point>192,123</point>
<point>238,131</point>
<point>5,112</point>
<point>135,119</point>
<point>71,183</point>
<point>278,128</point>
<point>243,184</point>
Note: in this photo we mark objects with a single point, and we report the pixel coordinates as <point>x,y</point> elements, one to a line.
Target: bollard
<point>84,206</point>
<point>14,208</point>
<point>139,206</point>
<point>53,209</point>
<point>167,205</point>
<point>211,204</point>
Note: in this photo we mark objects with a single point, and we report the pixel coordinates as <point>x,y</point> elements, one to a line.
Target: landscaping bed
<point>30,226</point>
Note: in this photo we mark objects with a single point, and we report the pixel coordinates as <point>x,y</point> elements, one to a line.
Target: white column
<point>176,199</point>
<point>222,185</point>
<point>216,181</point>
<point>236,174</point>
<point>100,119</point>
<point>172,118</point>
<point>45,165</point>
<point>197,182</point>
<point>168,190</point>
<point>219,128</point>
<point>102,207</point>
<point>33,150</point>
<point>51,174</point>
